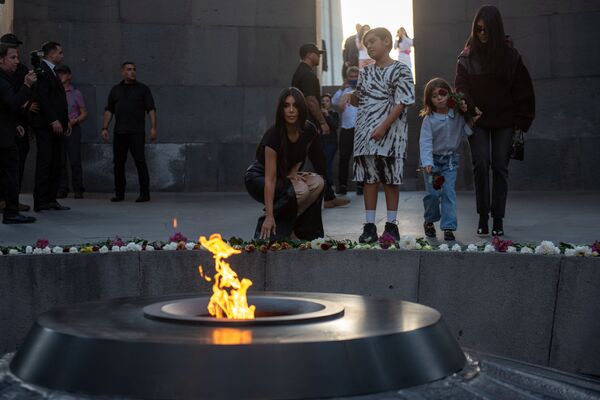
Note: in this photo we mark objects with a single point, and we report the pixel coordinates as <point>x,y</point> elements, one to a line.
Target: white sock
<point>391,215</point>
<point>370,216</point>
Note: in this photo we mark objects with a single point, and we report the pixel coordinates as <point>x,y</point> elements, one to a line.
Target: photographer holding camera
<point>10,104</point>
<point>50,124</point>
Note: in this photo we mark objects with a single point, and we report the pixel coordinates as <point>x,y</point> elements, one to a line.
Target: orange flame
<point>229,294</point>
<point>174,223</point>
<point>227,336</point>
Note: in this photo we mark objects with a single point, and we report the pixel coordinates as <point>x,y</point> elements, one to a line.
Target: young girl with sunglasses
<point>442,132</point>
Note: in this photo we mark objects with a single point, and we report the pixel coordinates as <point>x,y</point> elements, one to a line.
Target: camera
<point>36,62</point>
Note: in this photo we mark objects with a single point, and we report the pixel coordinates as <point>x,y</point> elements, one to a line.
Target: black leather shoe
<point>483,229</point>
<point>144,197</point>
<point>498,228</point>
<point>429,229</point>
<point>449,236</point>
<point>117,198</point>
<point>58,207</point>
<point>17,219</point>
<point>41,207</point>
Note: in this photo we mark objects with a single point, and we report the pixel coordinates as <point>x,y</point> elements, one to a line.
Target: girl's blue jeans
<point>441,204</point>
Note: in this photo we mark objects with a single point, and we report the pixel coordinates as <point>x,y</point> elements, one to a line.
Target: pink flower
<point>596,246</point>
<point>386,240</point>
<point>42,243</point>
<point>117,241</point>
<point>178,237</point>
<point>501,245</point>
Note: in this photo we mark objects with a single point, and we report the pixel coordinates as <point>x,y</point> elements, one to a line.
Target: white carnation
<point>472,248</point>
<point>457,248</point>
<point>489,248</point>
<point>123,248</point>
<point>47,250</point>
<point>443,247</point>
<point>408,243</point>
<point>103,249</point>
<point>28,250</point>
<point>547,248</point>
<point>115,248</point>
<point>316,243</point>
<point>149,248</point>
<point>37,250</point>
<point>583,251</point>
<point>570,252</point>
<point>511,249</point>
<point>190,245</point>
<point>57,250</point>
<point>526,250</point>
<point>73,250</point>
<point>12,252</point>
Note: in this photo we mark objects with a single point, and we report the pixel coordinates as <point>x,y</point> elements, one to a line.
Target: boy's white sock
<point>391,215</point>
<point>370,216</point>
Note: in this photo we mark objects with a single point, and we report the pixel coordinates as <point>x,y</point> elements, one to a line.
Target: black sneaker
<point>449,236</point>
<point>342,190</point>
<point>483,229</point>
<point>429,229</point>
<point>498,228</point>
<point>369,234</point>
<point>392,229</point>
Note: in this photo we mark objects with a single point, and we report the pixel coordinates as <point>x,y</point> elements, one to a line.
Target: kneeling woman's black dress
<point>308,225</point>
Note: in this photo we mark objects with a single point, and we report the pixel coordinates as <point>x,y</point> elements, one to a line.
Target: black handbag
<point>518,146</point>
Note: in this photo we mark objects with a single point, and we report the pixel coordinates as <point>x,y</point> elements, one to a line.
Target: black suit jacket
<point>10,106</point>
<point>49,93</point>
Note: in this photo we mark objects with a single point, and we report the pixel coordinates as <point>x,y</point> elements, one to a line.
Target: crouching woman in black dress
<point>292,198</point>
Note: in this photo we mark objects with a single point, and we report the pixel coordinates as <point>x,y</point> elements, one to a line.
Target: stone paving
<point>531,217</point>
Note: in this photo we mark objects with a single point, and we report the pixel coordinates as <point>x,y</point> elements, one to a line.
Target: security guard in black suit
<point>50,124</point>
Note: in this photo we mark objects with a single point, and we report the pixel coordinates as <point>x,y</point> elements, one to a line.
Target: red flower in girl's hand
<point>438,182</point>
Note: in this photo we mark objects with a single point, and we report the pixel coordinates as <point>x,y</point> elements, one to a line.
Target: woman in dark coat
<point>292,198</point>
<point>493,78</point>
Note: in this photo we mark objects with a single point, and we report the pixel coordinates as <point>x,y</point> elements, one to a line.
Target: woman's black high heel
<point>483,229</point>
<point>498,229</point>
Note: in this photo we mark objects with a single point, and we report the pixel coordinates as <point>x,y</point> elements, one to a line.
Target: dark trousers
<point>50,149</point>
<point>9,178</point>
<point>498,158</point>
<point>134,143</point>
<point>346,151</point>
<point>23,145</point>
<point>72,159</point>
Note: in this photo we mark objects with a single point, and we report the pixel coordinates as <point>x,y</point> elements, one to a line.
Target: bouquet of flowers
<point>455,100</point>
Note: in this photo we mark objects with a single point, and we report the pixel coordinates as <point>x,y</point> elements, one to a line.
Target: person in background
<point>50,124</point>
<point>23,134</point>
<point>129,101</point>
<point>330,143</point>
<point>10,105</point>
<point>493,77</point>
<point>348,123</point>
<point>403,44</point>
<point>363,54</point>
<point>350,53</point>
<point>72,155</point>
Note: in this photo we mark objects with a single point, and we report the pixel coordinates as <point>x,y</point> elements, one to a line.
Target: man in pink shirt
<point>77,114</point>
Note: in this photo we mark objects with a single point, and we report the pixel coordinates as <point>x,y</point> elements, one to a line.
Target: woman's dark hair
<point>433,84</point>
<point>280,126</point>
<point>493,55</point>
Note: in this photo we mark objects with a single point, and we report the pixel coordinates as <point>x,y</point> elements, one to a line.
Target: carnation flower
<point>418,246</point>
<point>443,247</point>
<point>511,249</point>
<point>133,247</point>
<point>386,240</point>
<point>285,246</point>
<point>547,248</point>
<point>249,248</point>
<point>526,250</point>
<point>596,247</point>
<point>37,250</point>
<point>73,250</point>
<point>47,250</point>
<point>115,248</point>
<point>103,249</point>
<point>583,251</point>
<point>123,248</point>
<point>57,250</point>
<point>408,243</point>
<point>28,250</point>
<point>13,252</point>
<point>192,245</point>
<point>42,243</point>
<point>149,247</point>
<point>263,248</point>
<point>178,237</point>
<point>316,243</point>
<point>570,252</point>
<point>325,246</point>
<point>341,246</point>
<point>275,246</point>
<point>117,241</point>
<point>501,245</point>
<point>456,248</point>
<point>471,248</point>
<point>489,248</point>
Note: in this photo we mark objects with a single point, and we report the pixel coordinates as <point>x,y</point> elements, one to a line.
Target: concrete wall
<point>557,40</point>
<point>215,68</point>
<point>539,309</point>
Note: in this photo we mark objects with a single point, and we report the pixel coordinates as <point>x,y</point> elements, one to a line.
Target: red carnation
<point>341,246</point>
<point>42,243</point>
<point>451,103</point>
<point>438,182</point>
<point>325,246</point>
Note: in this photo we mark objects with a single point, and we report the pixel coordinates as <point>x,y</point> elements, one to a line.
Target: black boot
<point>498,229</point>
<point>483,229</point>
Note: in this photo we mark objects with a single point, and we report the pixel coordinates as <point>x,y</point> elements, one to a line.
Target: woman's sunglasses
<point>479,29</point>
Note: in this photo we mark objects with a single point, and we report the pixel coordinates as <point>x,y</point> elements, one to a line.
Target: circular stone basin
<point>271,310</point>
<point>334,345</point>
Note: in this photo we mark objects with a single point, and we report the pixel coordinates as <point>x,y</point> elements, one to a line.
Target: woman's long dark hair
<point>280,126</point>
<point>493,55</point>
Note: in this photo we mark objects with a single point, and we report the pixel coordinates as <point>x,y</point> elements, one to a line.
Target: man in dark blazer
<point>50,124</point>
<point>10,105</point>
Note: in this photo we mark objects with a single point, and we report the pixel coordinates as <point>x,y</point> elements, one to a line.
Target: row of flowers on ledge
<point>386,242</point>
